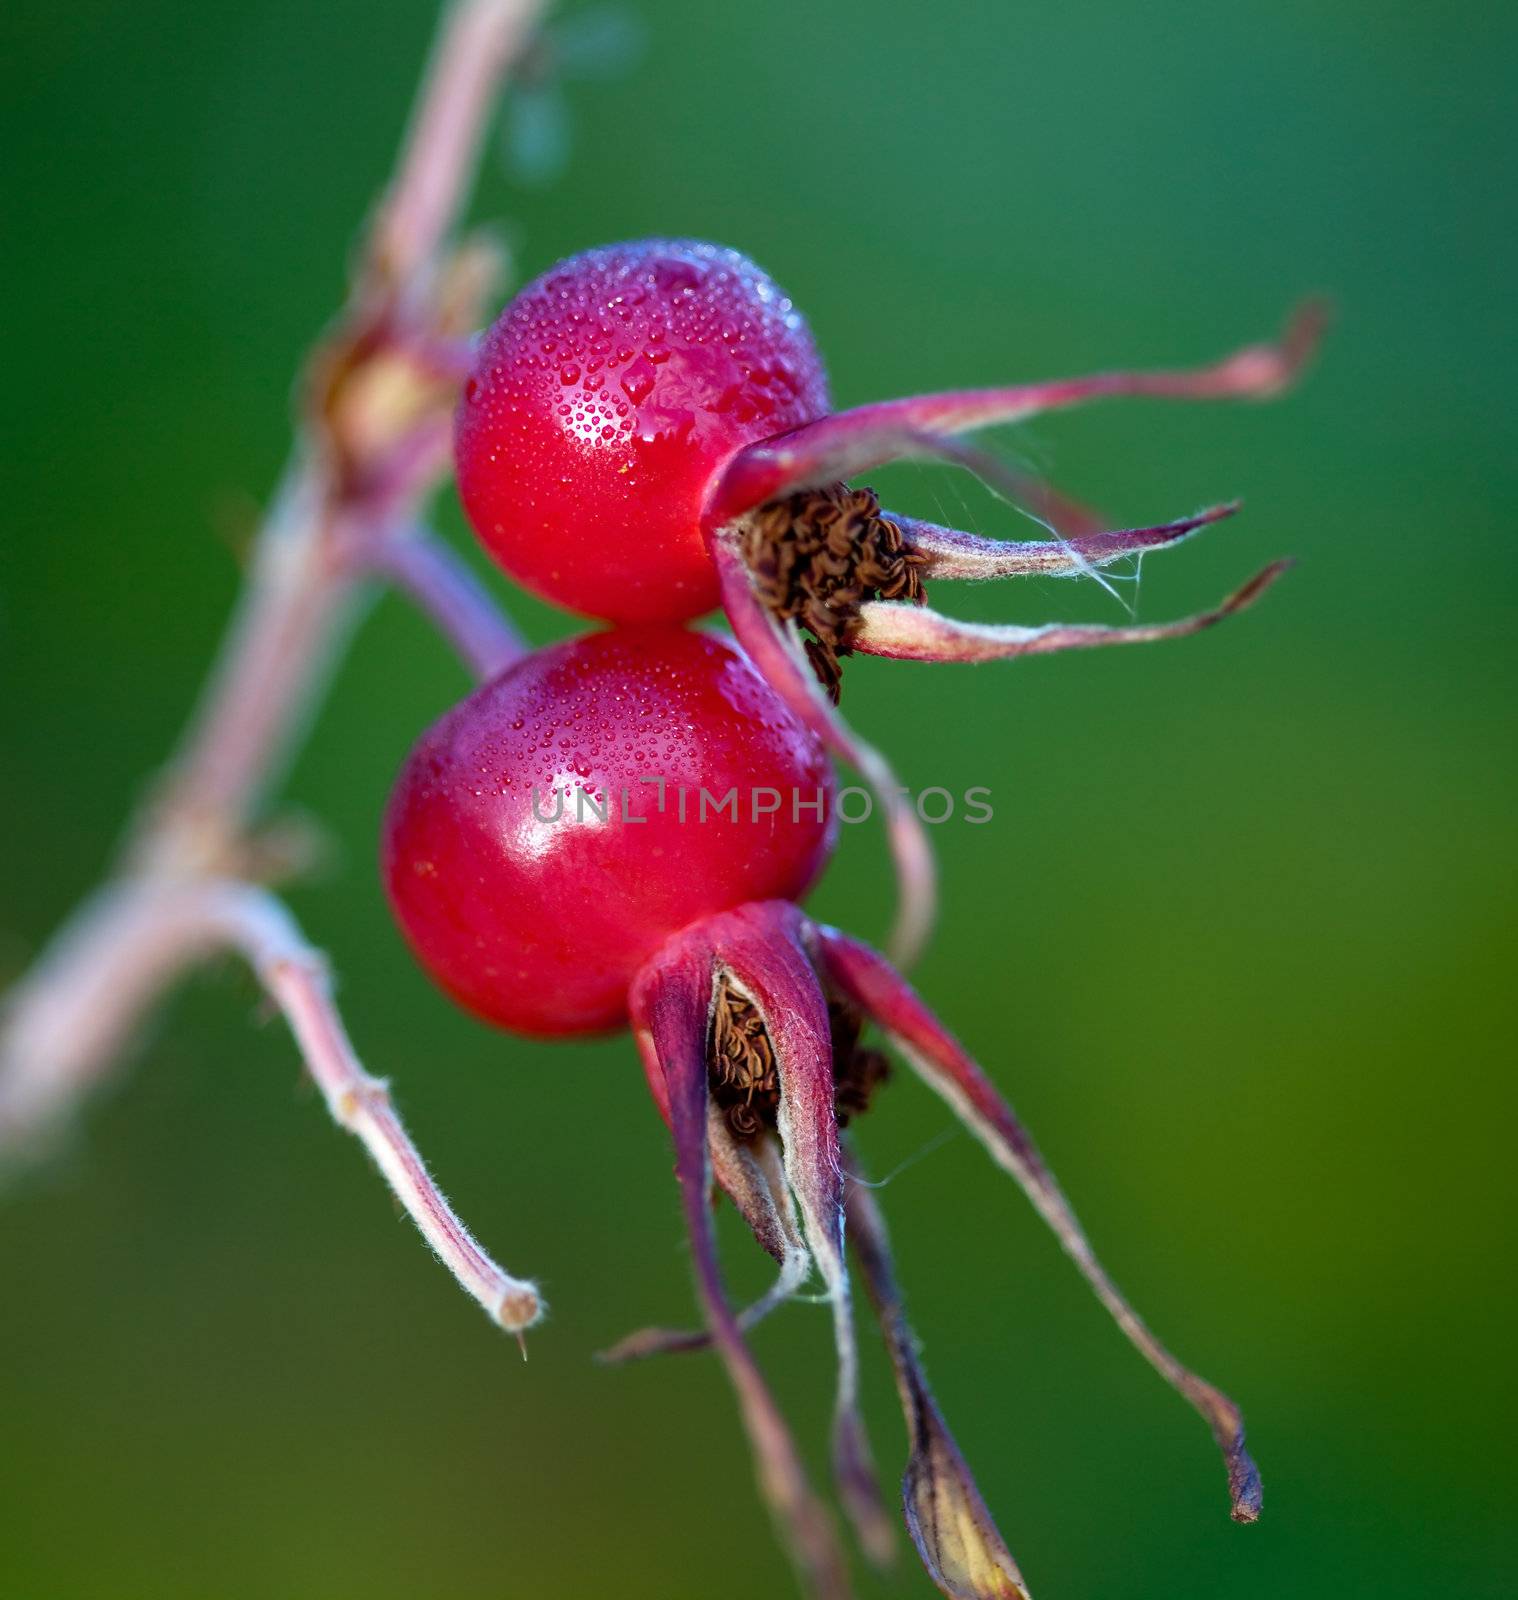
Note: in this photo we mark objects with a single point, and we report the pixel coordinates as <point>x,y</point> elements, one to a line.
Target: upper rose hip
<point>602,404</point>
<point>534,907</point>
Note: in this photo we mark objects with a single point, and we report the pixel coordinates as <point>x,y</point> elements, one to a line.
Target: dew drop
<point>675,277</point>
<point>638,381</point>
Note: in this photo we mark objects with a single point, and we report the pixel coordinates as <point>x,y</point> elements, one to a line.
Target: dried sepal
<point>949,553</point>
<point>749,1172</point>
<point>761,954</point>
<point>955,1535</point>
<point>848,442</point>
<point>670,1005</point>
<point>916,633</point>
<point>942,1062</point>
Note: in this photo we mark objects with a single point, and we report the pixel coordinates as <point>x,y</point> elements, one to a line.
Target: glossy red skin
<point>603,402</point>
<point>540,926</point>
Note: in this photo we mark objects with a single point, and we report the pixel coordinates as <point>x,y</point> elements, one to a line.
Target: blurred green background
<point>1236,941</point>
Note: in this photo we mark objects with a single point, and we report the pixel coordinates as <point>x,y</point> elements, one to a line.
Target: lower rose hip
<point>543,866</point>
<point>551,832</point>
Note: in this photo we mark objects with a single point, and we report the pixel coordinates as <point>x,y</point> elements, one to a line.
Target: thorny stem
<point>359,471</point>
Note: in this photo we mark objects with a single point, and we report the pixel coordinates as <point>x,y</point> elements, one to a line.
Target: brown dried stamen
<point>741,1064</point>
<point>817,556</point>
<point>857,1072</point>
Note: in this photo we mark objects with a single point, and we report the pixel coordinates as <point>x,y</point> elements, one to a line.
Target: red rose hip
<point>526,852</point>
<point>602,404</point>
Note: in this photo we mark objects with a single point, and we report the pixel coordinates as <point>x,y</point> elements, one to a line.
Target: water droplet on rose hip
<point>674,276</point>
<point>638,381</point>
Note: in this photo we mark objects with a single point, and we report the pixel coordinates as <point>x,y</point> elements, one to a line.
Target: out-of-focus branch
<point>420,565</point>
<point>479,43</point>
<point>372,441</point>
<point>370,445</point>
<point>67,1018</point>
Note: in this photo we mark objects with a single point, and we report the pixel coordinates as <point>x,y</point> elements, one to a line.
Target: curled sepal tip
<point>956,1538</point>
